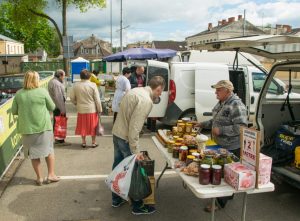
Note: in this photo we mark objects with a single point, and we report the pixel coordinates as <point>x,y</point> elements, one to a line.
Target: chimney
<point>224,22</point>
<point>209,26</point>
<point>219,23</point>
<point>240,17</point>
<point>231,19</point>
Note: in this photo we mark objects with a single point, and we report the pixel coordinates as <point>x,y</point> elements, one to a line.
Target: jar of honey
<point>175,131</point>
<point>179,140</point>
<point>191,151</point>
<point>175,138</point>
<point>189,159</point>
<point>183,152</point>
<point>170,146</point>
<point>188,128</point>
<point>181,127</point>
<point>196,155</point>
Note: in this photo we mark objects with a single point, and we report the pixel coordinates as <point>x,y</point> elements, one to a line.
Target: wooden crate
<point>150,200</point>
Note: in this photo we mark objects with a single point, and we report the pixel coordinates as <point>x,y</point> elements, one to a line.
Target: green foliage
<point>36,33</point>
<point>26,21</point>
<point>84,5</point>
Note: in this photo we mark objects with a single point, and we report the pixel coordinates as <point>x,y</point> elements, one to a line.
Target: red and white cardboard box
<point>239,176</point>
<point>264,171</point>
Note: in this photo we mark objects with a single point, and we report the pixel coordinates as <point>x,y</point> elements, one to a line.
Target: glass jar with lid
<point>181,128</point>
<point>204,174</point>
<point>188,128</point>
<point>170,146</point>
<point>216,174</point>
<point>183,152</point>
<point>175,153</point>
<point>189,159</point>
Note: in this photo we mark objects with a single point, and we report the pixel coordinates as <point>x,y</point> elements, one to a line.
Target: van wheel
<point>189,114</point>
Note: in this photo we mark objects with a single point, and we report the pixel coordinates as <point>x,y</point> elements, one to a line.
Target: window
<point>82,50</point>
<point>98,50</point>
<point>258,79</point>
<point>86,51</point>
<point>157,71</point>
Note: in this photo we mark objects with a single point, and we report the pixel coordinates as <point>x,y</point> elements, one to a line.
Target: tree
<point>30,10</point>
<point>34,35</point>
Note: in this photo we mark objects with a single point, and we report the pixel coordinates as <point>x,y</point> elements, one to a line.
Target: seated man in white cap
<point>228,115</point>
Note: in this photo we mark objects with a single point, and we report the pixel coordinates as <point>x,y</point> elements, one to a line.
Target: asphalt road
<point>83,195</point>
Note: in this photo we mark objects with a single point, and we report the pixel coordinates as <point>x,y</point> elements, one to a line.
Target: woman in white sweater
<point>85,96</point>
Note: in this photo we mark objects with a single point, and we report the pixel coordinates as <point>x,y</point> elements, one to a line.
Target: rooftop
<point>174,45</point>
<point>4,38</point>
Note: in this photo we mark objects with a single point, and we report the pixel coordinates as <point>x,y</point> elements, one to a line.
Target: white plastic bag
<point>119,179</point>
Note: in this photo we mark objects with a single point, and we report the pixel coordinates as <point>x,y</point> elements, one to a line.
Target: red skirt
<point>86,124</point>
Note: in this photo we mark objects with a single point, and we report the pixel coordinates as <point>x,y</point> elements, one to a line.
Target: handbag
<point>60,127</point>
<point>99,128</point>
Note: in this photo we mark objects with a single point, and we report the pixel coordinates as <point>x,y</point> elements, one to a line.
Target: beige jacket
<point>134,110</point>
<point>85,96</point>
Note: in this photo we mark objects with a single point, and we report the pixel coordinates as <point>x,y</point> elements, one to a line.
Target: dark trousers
<point>121,151</point>
<point>223,200</point>
<point>56,113</point>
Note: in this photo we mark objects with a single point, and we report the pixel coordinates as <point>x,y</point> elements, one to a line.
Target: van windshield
<point>258,79</point>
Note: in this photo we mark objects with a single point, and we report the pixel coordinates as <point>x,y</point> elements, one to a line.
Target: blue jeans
<point>121,151</point>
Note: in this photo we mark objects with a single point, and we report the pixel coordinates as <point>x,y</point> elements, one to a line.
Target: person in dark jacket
<point>229,115</point>
<point>138,78</point>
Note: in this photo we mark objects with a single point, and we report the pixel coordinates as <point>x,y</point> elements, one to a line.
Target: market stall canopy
<point>140,54</point>
<point>269,46</point>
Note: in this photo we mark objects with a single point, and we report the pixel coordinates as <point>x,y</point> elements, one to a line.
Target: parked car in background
<point>45,74</point>
<point>11,83</point>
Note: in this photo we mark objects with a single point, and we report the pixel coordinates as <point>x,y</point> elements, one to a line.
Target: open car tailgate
<point>279,47</point>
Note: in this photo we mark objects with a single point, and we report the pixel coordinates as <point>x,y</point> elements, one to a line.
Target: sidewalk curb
<point>10,174</point>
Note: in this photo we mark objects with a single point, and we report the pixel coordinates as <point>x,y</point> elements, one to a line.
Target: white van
<point>188,92</point>
<point>272,113</point>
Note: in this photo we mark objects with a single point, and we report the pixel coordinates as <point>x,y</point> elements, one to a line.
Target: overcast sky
<point>173,19</point>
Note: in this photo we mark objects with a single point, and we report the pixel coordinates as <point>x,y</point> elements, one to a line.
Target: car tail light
<point>172,92</point>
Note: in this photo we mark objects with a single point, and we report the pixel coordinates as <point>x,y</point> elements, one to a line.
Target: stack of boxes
<point>254,170</point>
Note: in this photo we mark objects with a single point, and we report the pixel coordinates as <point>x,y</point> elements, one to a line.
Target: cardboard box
<point>264,172</point>
<point>239,176</point>
<point>150,200</point>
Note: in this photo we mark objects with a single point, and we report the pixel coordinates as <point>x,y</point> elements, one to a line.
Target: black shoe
<point>143,210</point>
<point>119,203</point>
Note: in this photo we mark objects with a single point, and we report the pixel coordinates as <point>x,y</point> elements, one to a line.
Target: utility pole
<point>64,16</point>
<point>111,33</point>
<point>244,24</point>
<point>121,34</point>
<point>121,26</point>
<point>262,22</point>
